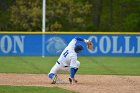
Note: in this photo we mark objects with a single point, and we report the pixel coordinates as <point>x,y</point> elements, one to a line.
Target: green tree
<point>26,15</point>
<point>60,15</point>
<point>126,15</point>
<point>131,10</point>
<point>5,15</point>
<point>68,14</point>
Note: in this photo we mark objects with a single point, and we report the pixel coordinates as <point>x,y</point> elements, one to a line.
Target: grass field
<point>24,89</point>
<point>89,65</point>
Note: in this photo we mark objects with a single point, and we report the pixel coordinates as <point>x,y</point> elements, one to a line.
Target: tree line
<point>71,15</point>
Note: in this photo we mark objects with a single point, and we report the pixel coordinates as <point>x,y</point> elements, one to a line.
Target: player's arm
<point>81,39</point>
<point>88,42</point>
<point>74,41</point>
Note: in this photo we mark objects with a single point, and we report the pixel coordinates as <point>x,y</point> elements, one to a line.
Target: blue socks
<point>51,75</point>
<point>73,72</point>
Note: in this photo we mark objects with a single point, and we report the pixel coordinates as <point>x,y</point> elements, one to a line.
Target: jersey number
<point>66,53</point>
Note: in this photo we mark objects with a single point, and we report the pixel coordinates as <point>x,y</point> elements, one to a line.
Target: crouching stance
<point>68,60</point>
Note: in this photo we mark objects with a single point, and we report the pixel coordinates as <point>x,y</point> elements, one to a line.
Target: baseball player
<point>68,60</point>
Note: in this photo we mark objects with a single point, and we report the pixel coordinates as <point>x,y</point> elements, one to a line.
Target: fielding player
<point>68,60</point>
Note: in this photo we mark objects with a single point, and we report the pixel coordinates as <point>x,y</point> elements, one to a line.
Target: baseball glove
<point>90,45</point>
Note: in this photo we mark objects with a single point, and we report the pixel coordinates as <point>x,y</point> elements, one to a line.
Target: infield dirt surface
<point>86,83</point>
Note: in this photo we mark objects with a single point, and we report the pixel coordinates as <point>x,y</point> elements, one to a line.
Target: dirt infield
<point>86,83</point>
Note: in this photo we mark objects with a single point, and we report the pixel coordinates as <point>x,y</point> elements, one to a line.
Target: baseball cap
<point>78,48</point>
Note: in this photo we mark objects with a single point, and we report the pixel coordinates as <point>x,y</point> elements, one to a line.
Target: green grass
<point>110,65</point>
<point>89,65</point>
<point>24,89</point>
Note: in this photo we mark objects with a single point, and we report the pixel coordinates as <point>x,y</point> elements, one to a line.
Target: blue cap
<point>78,47</point>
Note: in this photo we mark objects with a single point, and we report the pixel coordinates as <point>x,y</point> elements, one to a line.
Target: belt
<point>59,64</point>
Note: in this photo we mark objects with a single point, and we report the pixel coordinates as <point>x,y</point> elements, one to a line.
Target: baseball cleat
<point>70,80</point>
<point>54,79</point>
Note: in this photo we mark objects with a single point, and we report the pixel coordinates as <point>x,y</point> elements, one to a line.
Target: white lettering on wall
<point>6,48</point>
<point>138,44</point>
<point>127,45</point>
<point>18,43</point>
<point>115,45</point>
<point>12,44</point>
<point>105,40</point>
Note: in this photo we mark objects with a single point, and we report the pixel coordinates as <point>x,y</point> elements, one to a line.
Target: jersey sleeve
<point>79,39</point>
<point>74,41</point>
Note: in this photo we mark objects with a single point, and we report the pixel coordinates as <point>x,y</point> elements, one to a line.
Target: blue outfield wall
<point>104,44</point>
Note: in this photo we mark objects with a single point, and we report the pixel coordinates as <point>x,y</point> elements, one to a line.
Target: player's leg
<point>53,73</point>
<point>73,71</point>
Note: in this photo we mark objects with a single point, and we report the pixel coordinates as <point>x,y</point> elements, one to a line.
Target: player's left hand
<point>90,45</point>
